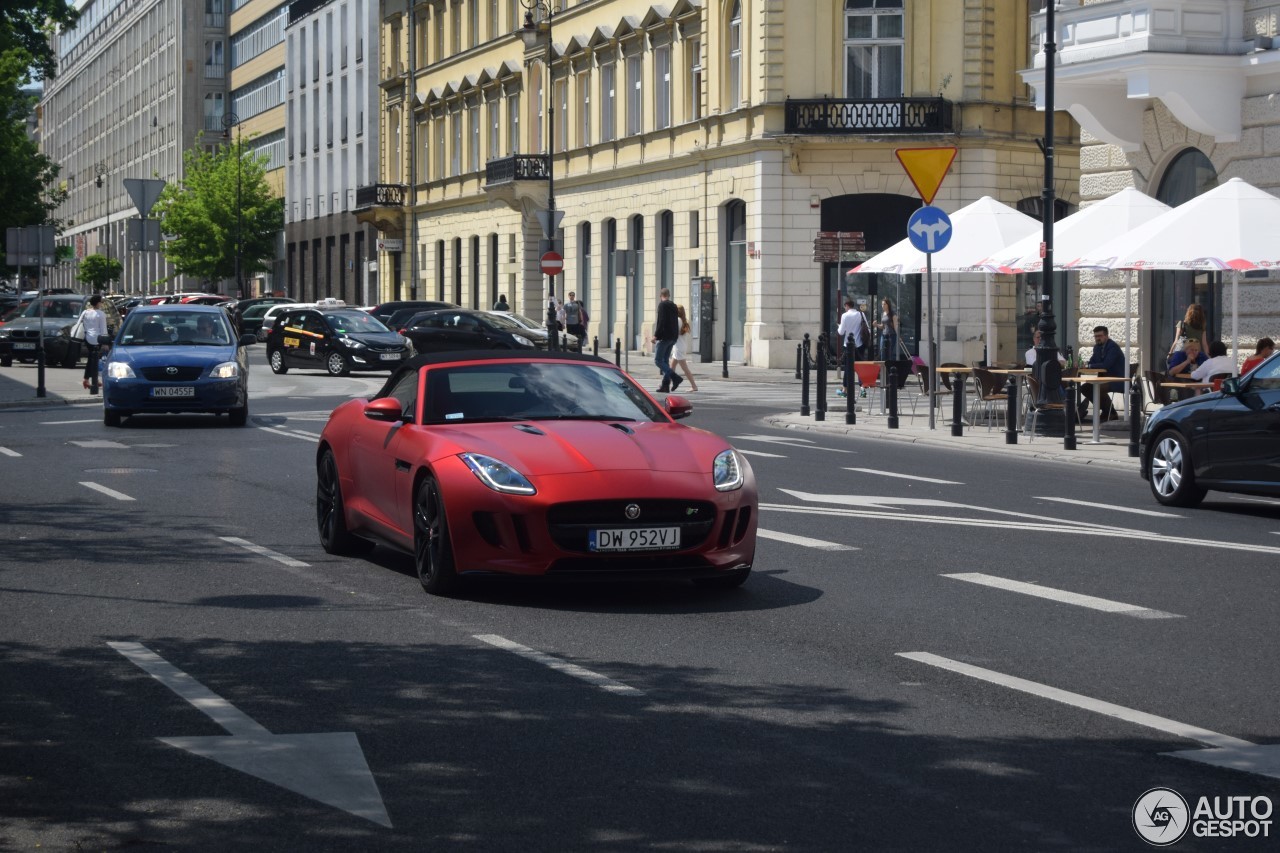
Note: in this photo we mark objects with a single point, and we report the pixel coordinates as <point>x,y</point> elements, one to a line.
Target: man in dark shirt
<point>1107,356</point>
<point>665,332</point>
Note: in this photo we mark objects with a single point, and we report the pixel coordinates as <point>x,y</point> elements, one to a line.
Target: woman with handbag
<point>93,323</point>
<point>888,326</point>
<point>1190,328</point>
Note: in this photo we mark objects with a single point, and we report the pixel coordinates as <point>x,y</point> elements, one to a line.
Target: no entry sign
<point>552,263</point>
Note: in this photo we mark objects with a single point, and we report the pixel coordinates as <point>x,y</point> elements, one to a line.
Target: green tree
<point>26,26</point>
<point>27,177</point>
<point>98,271</point>
<point>222,202</point>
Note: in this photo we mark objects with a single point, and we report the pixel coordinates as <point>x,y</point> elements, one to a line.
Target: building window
<point>260,95</point>
<point>495,128</point>
<point>695,79</point>
<point>493,19</point>
<point>455,31</point>
<point>455,155</point>
<point>735,55</point>
<point>635,96</point>
<point>513,123</point>
<point>493,250</point>
<point>873,39</point>
<point>608,101</point>
<point>439,159</point>
<point>473,154</point>
<point>474,22</point>
<point>214,61</point>
<point>666,250</point>
<point>662,87</point>
<point>440,270</point>
<point>259,36</point>
<point>584,111</point>
<point>535,111</point>
<point>560,90</point>
<point>584,262</point>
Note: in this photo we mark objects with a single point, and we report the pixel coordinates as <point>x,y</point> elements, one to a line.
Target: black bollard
<point>617,352</point>
<point>40,389</point>
<point>892,391</point>
<point>804,389</point>
<point>808,349</point>
<point>850,394</point>
<point>957,408</point>
<point>820,414</point>
<point>1011,413</point>
<point>724,357</point>
<point>799,358</point>
<point>595,345</point>
<point>1135,415</point>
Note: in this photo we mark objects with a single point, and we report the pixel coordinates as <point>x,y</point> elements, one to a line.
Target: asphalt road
<point>937,650</point>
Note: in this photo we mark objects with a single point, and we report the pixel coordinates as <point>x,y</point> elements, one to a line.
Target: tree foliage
<point>26,27</point>
<point>223,199</point>
<point>98,271</point>
<point>29,193</point>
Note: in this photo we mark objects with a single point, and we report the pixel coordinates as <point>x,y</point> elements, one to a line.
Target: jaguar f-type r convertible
<point>549,464</point>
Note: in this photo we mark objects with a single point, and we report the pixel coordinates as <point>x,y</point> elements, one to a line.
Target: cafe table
<point>1097,382</point>
<point>1015,374</point>
<point>1198,387</point>
<point>961,371</point>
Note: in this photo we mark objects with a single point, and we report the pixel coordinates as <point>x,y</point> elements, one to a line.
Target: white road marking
<point>1097,706</point>
<point>760,453</point>
<point>789,441</point>
<point>1078,599</point>
<point>572,669</point>
<point>214,706</point>
<point>303,437</point>
<point>7,452</point>
<point>61,423</point>
<point>803,540</point>
<point>111,493</point>
<point>880,473</point>
<point>265,552</point>
<point>100,444</point>
<point>1109,507</point>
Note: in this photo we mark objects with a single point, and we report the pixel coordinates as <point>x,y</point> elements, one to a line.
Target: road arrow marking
<point>1078,599</point>
<point>1225,751</point>
<point>329,768</point>
<point>880,473</point>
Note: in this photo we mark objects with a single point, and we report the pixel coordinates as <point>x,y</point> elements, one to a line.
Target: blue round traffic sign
<point>929,229</point>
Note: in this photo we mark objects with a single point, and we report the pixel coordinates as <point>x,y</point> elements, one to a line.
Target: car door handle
<point>402,465</point>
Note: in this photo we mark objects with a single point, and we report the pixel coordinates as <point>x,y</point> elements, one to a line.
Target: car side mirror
<point>246,340</point>
<point>678,407</point>
<point>1231,386</point>
<point>383,409</point>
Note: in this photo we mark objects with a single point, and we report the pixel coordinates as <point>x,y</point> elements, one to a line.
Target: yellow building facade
<point>712,141</point>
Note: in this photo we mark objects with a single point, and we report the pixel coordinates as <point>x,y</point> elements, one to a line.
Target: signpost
<point>33,246</point>
<point>552,263</point>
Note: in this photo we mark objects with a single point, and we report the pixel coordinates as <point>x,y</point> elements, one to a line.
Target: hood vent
<point>529,428</point>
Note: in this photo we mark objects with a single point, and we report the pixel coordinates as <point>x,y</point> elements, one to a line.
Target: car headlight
<point>497,474</point>
<point>120,370</point>
<point>55,332</point>
<point>522,340</point>
<point>226,370</point>
<point>726,472</point>
<point>351,343</point>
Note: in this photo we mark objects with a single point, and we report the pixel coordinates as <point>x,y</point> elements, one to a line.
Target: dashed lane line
<point>301,436</point>
<point>1062,596</point>
<point>265,552</point>
<point>805,541</point>
<point>880,473</point>
<point>760,453</point>
<point>7,452</point>
<point>111,493</point>
<point>1108,507</point>
<point>63,423</point>
<point>571,669</point>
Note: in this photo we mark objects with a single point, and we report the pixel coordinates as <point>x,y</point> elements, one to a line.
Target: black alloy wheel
<point>331,520</point>
<point>432,550</point>
<point>1173,479</point>
<point>337,364</point>
<point>276,359</point>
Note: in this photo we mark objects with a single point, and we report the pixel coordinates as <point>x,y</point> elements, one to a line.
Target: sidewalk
<point>62,387</point>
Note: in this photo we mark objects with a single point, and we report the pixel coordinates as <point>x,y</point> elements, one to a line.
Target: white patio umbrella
<point>979,230</point>
<point>1233,227</point>
<point>1078,236</point>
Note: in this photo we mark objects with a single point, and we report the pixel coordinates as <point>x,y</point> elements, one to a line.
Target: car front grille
<point>26,334</point>
<point>179,374</point>
<point>570,523</point>
<point>386,349</point>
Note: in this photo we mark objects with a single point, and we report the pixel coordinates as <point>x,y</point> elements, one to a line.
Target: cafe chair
<point>944,388</point>
<point>1033,394</point>
<point>991,395</point>
<point>869,377</point>
<point>1217,378</point>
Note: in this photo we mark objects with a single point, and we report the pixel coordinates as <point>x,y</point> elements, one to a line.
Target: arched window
<point>873,44</point>
<point>584,264</point>
<point>475,273</point>
<point>457,271</point>
<point>667,250</point>
<point>734,73</point>
<point>636,306</point>
<point>735,278</point>
<point>608,291</point>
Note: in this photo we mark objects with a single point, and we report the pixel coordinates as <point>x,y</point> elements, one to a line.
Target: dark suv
<point>20,336</point>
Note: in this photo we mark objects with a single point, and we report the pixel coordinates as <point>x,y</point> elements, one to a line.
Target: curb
<point>47,402</point>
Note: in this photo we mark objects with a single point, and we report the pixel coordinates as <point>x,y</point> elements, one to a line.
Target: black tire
<point>331,522</point>
<point>6,362</point>
<point>337,365</point>
<point>239,417</point>
<point>111,418</point>
<point>729,580</point>
<point>1172,475</point>
<point>71,356</point>
<point>276,359</point>
<point>432,550</point>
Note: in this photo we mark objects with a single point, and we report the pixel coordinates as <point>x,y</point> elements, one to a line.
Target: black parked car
<point>1226,441</point>
<point>240,307</point>
<point>384,311</point>
<point>338,340</point>
<point>456,329</point>
<point>18,337</point>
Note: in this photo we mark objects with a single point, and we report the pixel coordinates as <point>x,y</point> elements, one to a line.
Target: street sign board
<point>832,246</point>
<point>929,229</point>
<point>550,222</point>
<point>391,244</point>
<point>552,263</point>
<point>144,192</point>
<point>142,235</point>
<point>31,246</point>
<point>926,167</point>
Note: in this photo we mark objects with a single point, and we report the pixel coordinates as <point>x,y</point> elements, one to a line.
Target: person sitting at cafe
<point>1219,362</point>
<point>1031,353</point>
<point>1110,360</point>
<point>1266,347</point>
<point>1185,360</point>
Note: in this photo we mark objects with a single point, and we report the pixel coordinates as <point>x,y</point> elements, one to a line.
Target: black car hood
<point>34,323</point>
<point>377,339</point>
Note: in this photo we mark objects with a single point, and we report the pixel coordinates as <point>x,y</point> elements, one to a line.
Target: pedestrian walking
<point>94,323</point>
<point>501,304</point>
<point>576,319</point>
<point>683,348</point>
<point>665,332</point>
<point>852,323</point>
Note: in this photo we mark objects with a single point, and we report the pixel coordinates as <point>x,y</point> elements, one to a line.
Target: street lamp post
<point>100,181</point>
<point>537,27</point>
<point>229,121</point>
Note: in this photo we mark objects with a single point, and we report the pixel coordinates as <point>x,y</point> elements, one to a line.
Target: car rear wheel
<point>1173,479</point>
<point>729,580</point>
<point>331,519</point>
<point>276,359</point>
<point>111,418</point>
<point>432,550</point>
<point>337,364</point>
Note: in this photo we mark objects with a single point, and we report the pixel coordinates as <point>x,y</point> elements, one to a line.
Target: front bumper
<point>210,395</point>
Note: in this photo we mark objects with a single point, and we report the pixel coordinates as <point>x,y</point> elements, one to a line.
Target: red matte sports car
<point>548,464</point>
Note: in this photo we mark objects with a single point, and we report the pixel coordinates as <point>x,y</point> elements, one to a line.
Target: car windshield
<point>55,308</point>
<point>527,322</point>
<point>354,323</point>
<point>507,324</point>
<point>534,391</point>
<point>187,328</point>
<point>255,311</point>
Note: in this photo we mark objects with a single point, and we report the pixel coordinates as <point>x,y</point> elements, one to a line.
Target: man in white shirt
<point>1031,353</point>
<point>1219,362</point>
<point>852,322</point>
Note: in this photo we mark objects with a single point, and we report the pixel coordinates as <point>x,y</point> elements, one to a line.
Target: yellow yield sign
<point>926,167</point>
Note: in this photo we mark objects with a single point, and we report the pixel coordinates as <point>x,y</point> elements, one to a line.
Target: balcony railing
<point>381,195</point>
<point>517,167</point>
<point>847,116</point>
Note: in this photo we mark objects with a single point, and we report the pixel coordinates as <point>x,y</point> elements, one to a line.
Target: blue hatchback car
<point>176,358</point>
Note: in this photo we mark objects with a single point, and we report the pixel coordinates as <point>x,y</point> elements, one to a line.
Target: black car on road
<point>1226,441</point>
<point>338,340</point>
<point>459,329</point>
<point>384,311</point>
